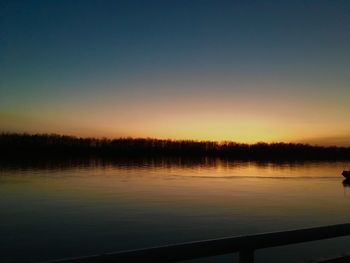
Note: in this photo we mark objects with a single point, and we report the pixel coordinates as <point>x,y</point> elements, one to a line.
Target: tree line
<point>53,145</point>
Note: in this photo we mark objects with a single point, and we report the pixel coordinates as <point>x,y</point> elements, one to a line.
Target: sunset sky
<point>245,71</point>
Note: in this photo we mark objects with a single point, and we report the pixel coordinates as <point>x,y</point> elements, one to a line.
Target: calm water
<point>52,210</point>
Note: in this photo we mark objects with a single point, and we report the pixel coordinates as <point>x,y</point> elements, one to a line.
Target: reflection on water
<point>57,209</point>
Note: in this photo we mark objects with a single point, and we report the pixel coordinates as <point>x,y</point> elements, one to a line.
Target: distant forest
<point>13,145</point>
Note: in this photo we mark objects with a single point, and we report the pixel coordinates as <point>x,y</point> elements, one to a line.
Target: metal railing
<point>244,245</point>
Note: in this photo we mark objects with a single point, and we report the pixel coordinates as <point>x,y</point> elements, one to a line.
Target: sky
<point>245,71</point>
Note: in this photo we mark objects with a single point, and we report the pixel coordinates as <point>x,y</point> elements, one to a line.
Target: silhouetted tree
<point>15,145</point>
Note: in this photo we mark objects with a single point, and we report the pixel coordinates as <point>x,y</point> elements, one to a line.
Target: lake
<point>50,210</point>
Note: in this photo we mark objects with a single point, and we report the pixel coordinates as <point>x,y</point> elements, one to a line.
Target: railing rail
<point>245,245</point>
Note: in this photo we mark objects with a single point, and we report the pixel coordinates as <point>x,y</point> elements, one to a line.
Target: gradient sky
<point>220,70</point>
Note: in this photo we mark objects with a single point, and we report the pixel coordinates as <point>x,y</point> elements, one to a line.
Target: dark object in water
<point>346,174</point>
<point>346,183</point>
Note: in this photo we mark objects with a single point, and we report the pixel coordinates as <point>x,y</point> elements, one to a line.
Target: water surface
<point>53,210</point>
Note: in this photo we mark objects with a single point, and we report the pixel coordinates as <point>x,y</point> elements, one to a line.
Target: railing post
<point>246,256</point>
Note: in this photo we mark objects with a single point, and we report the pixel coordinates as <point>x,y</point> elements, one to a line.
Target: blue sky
<point>220,70</point>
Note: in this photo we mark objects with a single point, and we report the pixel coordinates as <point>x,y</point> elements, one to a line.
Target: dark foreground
<point>244,245</point>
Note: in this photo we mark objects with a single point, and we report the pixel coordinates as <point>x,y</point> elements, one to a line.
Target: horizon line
<point>168,139</point>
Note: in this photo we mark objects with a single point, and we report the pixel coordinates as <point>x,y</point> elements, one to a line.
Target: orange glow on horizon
<point>243,118</point>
